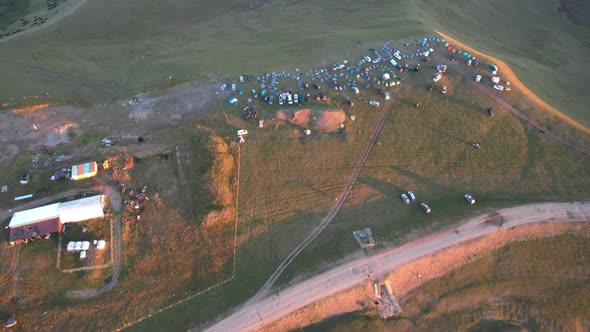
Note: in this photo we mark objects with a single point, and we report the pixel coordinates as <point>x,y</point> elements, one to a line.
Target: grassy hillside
<point>112,48</point>
<point>538,285</point>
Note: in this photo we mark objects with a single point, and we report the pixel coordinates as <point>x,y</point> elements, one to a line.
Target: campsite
<point>215,166</point>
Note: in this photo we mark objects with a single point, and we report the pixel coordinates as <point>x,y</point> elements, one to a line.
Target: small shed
<point>84,171</point>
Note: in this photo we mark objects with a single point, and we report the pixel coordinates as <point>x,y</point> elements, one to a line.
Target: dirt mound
<point>322,120</point>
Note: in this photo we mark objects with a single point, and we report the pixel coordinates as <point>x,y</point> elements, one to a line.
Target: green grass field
<point>108,50</point>
<point>111,49</point>
<point>532,285</point>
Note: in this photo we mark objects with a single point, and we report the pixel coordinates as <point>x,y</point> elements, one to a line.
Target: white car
<point>387,97</point>
<point>233,87</point>
<point>393,63</point>
<point>397,55</point>
<point>477,78</point>
<point>281,99</point>
<point>374,103</point>
<point>436,78</point>
<point>412,196</point>
<point>355,90</point>
<point>405,199</point>
<point>441,68</point>
<point>295,98</point>
<point>425,207</point>
<point>290,99</point>
<point>469,199</point>
<point>444,90</point>
<point>498,87</point>
<point>241,79</point>
<point>367,58</point>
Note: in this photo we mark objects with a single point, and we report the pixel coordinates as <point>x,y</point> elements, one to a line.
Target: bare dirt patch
<point>323,120</point>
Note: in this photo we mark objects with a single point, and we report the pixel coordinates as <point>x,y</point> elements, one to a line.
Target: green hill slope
<point>112,48</point>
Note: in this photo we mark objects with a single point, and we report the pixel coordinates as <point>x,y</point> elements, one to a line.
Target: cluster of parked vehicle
<point>409,197</point>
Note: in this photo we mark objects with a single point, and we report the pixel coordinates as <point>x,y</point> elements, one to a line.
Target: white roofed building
<point>44,220</point>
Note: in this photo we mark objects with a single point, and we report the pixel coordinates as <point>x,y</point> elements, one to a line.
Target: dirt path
<point>332,212</point>
<point>72,5</point>
<point>115,199</point>
<point>578,148</point>
<point>117,248</point>
<point>259,313</point>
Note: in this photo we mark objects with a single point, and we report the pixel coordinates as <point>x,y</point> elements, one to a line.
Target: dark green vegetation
<point>538,285</point>
<point>114,48</point>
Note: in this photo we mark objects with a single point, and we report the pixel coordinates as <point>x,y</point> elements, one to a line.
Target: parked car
<point>387,96</point>
<point>469,199</point>
<point>444,89</point>
<point>374,103</point>
<point>425,207</point>
<point>296,98</point>
<point>376,60</point>
<point>436,78</point>
<point>241,79</point>
<point>397,55</point>
<point>405,199</point>
<point>498,87</point>
<point>223,87</point>
<point>233,87</point>
<point>476,145</point>
<point>281,101</point>
<point>477,78</point>
<point>24,179</point>
<point>254,93</point>
<point>270,100</point>
<point>355,90</point>
<point>412,196</point>
<point>367,58</point>
<point>290,99</point>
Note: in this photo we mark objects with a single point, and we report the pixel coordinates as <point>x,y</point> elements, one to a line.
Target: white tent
<point>82,209</point>
<point>35,215</point>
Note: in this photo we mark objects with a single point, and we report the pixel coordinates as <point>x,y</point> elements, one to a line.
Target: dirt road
<point>259,313</point>
<point>333,210</point>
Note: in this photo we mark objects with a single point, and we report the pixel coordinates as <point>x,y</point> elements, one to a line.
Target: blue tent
<point>464,53</point>
<point>468,56</point>
<point>493,68</point>
<point>351,71</point>
<point>241,92</point>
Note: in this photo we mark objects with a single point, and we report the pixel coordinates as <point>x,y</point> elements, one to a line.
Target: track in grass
<point>580,149</point>
<point>332,212</point>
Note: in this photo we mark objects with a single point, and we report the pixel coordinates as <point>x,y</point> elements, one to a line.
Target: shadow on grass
<point>446,134</point>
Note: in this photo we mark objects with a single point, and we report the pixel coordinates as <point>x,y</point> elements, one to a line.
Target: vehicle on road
<point>374,103</point>
<point>425,207</point>
<point>469,199</point>
<point>412,196</point>
<point>477,78</point>
<point>498,87</point>
<point>436,78</point>
<point>405,199</point>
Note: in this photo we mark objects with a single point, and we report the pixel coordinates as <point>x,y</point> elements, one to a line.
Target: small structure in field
<point>364,238</point>
<point>84,171</point>
<point>388,306</point>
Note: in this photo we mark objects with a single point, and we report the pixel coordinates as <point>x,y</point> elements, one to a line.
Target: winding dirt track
<point>578,148</point>
<point>332,212</point>
<point>257,314</point>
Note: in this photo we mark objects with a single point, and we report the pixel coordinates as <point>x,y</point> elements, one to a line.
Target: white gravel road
<point>256,314</point>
